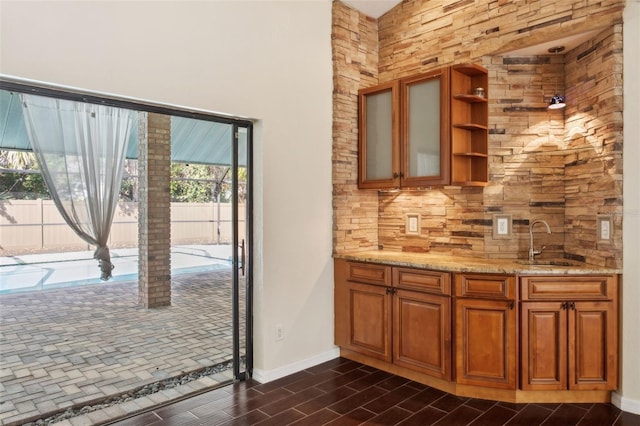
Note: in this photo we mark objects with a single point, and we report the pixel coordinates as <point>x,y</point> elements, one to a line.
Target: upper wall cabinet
<point>469,125</point>
<point>404,133</point>
<point>424,130</point>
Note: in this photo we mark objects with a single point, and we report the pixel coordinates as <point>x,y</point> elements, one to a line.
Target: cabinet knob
<point>572,305</point>
<point>563,306</point>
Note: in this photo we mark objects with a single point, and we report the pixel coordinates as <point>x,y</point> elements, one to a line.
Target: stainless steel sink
<point>547,263</point>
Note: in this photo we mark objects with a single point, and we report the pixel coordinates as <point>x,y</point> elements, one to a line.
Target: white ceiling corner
<point>569,43</point>
<point>373,8</point>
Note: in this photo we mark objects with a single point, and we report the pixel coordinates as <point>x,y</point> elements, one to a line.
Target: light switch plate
<point>502,224</point>
<point>412,224</point>
<point>604,228</point>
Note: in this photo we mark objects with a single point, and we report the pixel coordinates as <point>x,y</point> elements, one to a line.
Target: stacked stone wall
<point>541,167</point>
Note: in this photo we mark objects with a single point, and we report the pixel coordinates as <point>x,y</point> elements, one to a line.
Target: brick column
<point>154,220</point>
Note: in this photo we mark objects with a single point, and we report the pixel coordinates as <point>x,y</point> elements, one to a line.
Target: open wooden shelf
<point>471,154</point>
<point>469,98</point>
<point>469,126</point>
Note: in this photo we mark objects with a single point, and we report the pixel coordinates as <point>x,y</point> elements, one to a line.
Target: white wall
<point>269,60</point>
<point>628,396</point>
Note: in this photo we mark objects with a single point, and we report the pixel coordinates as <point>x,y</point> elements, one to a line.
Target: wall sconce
<point>557,101</point>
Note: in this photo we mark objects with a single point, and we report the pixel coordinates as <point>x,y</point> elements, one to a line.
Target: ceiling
<point>569,43</point>
<point>373,8</point>
<point>377,8</point>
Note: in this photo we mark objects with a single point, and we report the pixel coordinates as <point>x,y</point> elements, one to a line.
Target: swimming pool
<point>57,270</point>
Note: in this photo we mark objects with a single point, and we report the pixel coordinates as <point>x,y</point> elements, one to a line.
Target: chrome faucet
<point>532,251</point>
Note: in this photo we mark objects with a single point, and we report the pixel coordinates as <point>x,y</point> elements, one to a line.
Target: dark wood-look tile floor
<point>343,392</point>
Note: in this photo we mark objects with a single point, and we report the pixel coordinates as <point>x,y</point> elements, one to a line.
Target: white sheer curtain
<point>81,150</point>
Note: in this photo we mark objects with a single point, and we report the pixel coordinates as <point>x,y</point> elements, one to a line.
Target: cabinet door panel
<point>592,346</point>
<point>425,130</point>
<point>422,333</point>
<point>544,346</point>
<point>370,320</point>
<point>378,133</point>
<point>485,343</point>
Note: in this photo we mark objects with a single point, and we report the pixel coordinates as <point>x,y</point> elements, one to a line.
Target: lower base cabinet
<point>486,330</point>
<point>483,338</point>
<point>569,333</point>
<point>485,343</point>
<point>387,319</point>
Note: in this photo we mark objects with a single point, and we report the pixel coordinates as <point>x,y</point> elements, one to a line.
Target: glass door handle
<point>242,257</point>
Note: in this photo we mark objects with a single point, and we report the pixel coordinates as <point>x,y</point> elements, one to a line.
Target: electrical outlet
<point>412,224</point>
<point>502,226</point>
<point>279,332</point>
<point>604,228</point>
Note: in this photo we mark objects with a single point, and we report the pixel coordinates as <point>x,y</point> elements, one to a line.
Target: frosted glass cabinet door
<point>379,135</point>
<point>378,128</point>
<point>424,130</point>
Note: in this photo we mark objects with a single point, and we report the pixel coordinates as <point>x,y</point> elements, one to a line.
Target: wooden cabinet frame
<point>569,333</point>
<point>393,319</point>
<point>444,177</point>
<point>400,160</point>
<point>469,338</point>
<point>486,331</point>
<point>393,180</point>
<point>469,126</point>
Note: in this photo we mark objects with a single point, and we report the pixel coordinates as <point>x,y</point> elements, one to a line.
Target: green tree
<point>18,185</point>
<point>191,183</point>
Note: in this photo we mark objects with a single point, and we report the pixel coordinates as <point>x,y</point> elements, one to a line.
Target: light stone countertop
<point>454,263</point>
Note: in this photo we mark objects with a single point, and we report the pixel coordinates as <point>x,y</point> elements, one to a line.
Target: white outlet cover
<point>412,224</point>
<point>604,228</point>
<point>502,224</point>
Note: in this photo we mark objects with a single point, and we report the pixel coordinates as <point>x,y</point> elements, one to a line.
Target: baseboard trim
<point>625,404</point>
<point>265,376</point>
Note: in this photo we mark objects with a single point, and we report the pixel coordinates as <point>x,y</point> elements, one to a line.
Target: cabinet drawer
<point>421,280</point>
<point>588,287</point>
<point>486,286</point>
<point>369,273</point>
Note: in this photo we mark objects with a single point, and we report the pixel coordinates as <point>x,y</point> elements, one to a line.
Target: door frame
<point>80,95</point>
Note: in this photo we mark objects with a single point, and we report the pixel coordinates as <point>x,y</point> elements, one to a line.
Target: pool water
<point>57,270</point>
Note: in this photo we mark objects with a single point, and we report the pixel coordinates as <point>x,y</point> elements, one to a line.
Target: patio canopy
<point>192,141</point>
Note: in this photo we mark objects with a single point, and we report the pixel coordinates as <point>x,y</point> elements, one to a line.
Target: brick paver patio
<point>75,346</point>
